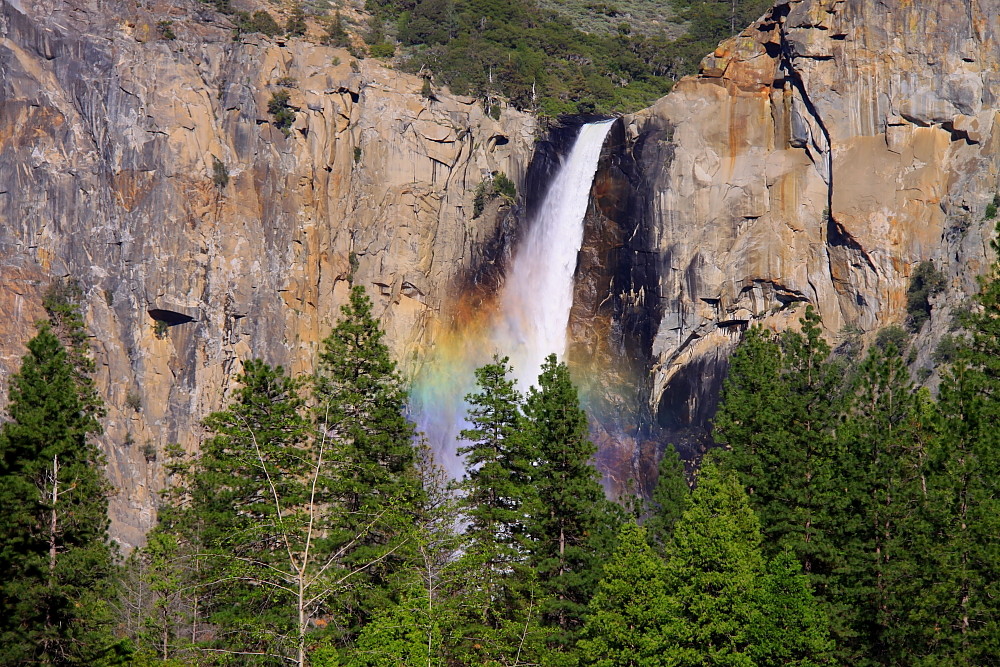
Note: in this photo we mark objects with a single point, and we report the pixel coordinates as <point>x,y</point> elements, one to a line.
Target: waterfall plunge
<point>538,292</point>
<point>534,305</point>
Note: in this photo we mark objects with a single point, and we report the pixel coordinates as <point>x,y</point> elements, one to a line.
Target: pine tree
<point>631,614</point>
<point>714,572</point>
<point>250,517</point>
<point>780,408</point>
<point>671,498</point>
<point>955,618</point>
<point>567,514</point>
<point>791,628</point>
<point>54,554</point>
<point>361,409</point>
<point>496,493</point>
<point>732,607</point>
<point>885,436</point>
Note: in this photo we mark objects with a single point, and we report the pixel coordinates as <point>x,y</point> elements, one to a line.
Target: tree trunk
<point>53,521</point>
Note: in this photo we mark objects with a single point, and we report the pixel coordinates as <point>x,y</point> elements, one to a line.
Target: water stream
<point>533,307</point>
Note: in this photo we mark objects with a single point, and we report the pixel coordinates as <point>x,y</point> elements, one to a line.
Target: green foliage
<point>525,54</point>
<point>566,516</point>
<point>360,405</point>
<point>779,411</point>
<point>382,50</point>
<point>670,498</point>
<point>947,349</point>
<point>160,329</point>
<point>991,208</point>
<point>260,21</point>
<point>631,608</point>
<point>249,512</point>
<point>925,282</point>
<point>165,29</point>
<point>956,554</point>
<point>893,336</point>
<point>220,174</point>
<point>357,151</point>
<point>296,26</point>
<point>281,111</point>
<point>55,554</point>
<point>496,186</point>
<point>714,571</point>
<point>497,468</point>
<point>883,435</point>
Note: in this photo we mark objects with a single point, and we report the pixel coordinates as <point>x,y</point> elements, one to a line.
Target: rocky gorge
<point>818,158</point>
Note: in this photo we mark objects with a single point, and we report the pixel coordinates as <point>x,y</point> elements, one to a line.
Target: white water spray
<point>533,308</point>
<point>538,293</point>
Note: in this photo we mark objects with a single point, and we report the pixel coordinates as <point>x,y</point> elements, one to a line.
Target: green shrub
<point>357,154</point>
<point>894,336</point>
<point>220,175</point>
<point>947,349</point>
<point>165,30</point>
<point>382,50</point>
<point>160,329</point>
<point>260,21</point>
<point>991,208</point>
<point>925,282</point>
<point>281,111</point>
<point>491,188</point>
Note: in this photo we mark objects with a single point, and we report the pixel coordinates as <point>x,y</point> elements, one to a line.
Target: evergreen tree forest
<point>548,57</point>
<point>847,517</point>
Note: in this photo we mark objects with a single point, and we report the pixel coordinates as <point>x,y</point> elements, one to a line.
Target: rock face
<point>818,158</point>
<point>109,141</point>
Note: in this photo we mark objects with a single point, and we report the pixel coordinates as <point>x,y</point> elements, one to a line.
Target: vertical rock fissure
<point>836,235</point>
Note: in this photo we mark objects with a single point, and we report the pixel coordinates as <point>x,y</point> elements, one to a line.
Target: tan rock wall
<point>107,142</point>
<point>819,157</point>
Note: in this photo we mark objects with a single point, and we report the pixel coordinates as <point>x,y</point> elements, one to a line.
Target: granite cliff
<point>109,137</point>
<point>818,158</point>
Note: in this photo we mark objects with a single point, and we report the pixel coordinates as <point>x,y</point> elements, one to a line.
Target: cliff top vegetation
<point>578,57</point>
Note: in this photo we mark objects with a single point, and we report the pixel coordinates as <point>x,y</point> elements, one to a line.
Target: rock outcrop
<point>150,171</point>
<point>818,158</point>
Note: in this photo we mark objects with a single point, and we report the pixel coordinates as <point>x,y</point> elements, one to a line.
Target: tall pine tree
<point>671,497</point>
<point>497,492</point>
<point>956,619</point>
<point>731,606</point>
<point>567,517</point>
<point>780,407</point>
<point>54,550</point>
<point>360,407</point>
<point>631,612</point>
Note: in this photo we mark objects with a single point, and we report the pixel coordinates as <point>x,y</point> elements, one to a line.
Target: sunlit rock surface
<point>108,140</point>
<point>818,158</point>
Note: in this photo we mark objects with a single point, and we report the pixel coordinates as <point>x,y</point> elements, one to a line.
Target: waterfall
<point>538,292</point>
<point>533,307</point>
